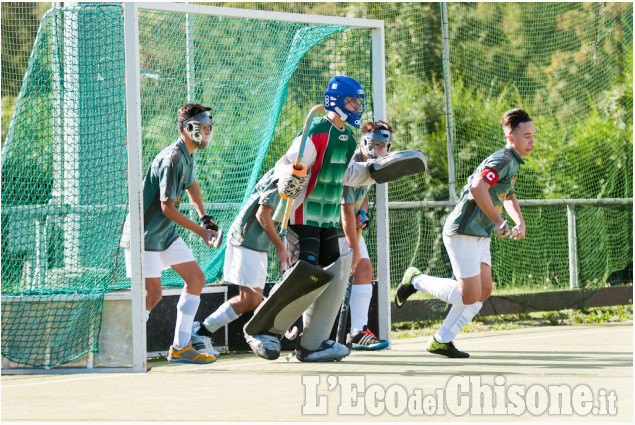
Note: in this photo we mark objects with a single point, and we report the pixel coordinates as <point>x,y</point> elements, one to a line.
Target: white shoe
<point>202,343</point>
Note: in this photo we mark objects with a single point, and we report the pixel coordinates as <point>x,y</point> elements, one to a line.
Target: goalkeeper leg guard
<point>298,289</point>
<point>319,318</point>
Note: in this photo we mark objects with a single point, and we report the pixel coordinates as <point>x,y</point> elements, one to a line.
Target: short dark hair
<point>513,117</point>
<point>370,126</point>
<point>190,110</point>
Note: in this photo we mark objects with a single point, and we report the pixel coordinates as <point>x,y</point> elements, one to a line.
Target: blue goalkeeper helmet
<point>340,88</point>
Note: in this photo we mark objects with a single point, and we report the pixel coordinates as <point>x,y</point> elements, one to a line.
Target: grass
<point>420,328</point>
<point>513,290</point>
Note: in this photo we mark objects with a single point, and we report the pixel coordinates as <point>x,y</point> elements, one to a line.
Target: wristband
<point>362,214</point>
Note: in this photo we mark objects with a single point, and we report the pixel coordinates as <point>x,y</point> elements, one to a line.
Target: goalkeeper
<point>312,232</point>
<point>315,285</point>
<point>170,175</point>
<point>466,235</point>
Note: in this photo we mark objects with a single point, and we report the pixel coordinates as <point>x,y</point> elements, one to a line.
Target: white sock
<point>444,289</point>
<point>458,316</point>
<point>221,317</point>
<point>146,314</point>
<point>185,311</point>
<point>359,303</point>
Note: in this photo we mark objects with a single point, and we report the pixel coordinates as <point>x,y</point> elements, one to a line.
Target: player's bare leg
<point>182,350</point>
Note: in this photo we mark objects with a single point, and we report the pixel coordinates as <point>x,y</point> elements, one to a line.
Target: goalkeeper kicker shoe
<point>202,343</point>
<point>446,349</point>
<point>189,355</point>
<point>405,288</point>
<point>365,340</point>
<point>327,352</point>
<point>264,345</point>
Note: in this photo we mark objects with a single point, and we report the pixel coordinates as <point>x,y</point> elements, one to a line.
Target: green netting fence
<point>64,187</point>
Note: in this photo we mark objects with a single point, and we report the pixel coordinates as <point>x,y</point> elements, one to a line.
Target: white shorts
<point>156,261</point>
<point>245,267</point>
<point>345,247</point>
<point>467,253</point>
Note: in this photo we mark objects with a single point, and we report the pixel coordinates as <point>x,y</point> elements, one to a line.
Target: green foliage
<point>568,64</point>
<point>420,328</point>
<point>414,113</point>
<point>8,106</point>
<point>603,315</point>
<point>20,22</point>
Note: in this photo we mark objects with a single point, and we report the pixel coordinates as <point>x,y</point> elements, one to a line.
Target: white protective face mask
<point>380,135</point>
<point>194,128</point>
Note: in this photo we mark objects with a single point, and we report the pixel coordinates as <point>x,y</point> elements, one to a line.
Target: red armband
<point>490,176</point>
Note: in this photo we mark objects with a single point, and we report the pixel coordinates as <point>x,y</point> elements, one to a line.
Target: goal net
<point>64,162</point>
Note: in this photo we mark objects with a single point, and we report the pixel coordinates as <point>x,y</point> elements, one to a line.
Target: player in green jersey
<point>467,231</point>
<point>169,177</point>
<point>375,143</point>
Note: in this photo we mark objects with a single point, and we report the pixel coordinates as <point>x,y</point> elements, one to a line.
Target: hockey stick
<point>298,165</point>
<point>340,336</point>
<point>501,232</point>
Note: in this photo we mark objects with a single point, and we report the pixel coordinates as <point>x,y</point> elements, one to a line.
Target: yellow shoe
<point>189,355</point>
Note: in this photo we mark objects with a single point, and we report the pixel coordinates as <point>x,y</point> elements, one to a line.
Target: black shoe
<point>405,288</point>
<point>446,349</point>
<point>365,340</point>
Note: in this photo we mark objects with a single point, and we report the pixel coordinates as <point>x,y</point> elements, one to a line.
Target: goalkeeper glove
<point>291,185</point>
<point>365,218</point>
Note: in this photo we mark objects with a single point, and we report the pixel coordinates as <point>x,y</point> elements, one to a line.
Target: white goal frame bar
<point>133,111</point>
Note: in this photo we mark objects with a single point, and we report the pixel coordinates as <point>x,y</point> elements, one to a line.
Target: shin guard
<point>319,318</point>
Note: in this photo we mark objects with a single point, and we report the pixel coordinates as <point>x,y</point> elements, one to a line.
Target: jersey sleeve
<point>490,176</point>
<point>357,174</point>
<point>308,158</point>
<point>498,164</point>
<point>270,197</point>
<point>169,176</point>
<point>348,196</point>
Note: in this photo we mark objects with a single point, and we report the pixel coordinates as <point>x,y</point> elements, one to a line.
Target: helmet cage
<point>340,88</point>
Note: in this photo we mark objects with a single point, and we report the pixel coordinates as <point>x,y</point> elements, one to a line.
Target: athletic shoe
<point>266,346</point>
<point>148,367</point>
<point>405,288</point>
<point>365,340</point>
<point>189,355</point>
<point>202,343</point>
<point>446,349</point>
<point>327,352</point>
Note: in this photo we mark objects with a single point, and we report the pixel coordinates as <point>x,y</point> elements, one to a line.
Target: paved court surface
<point>549,374</point>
